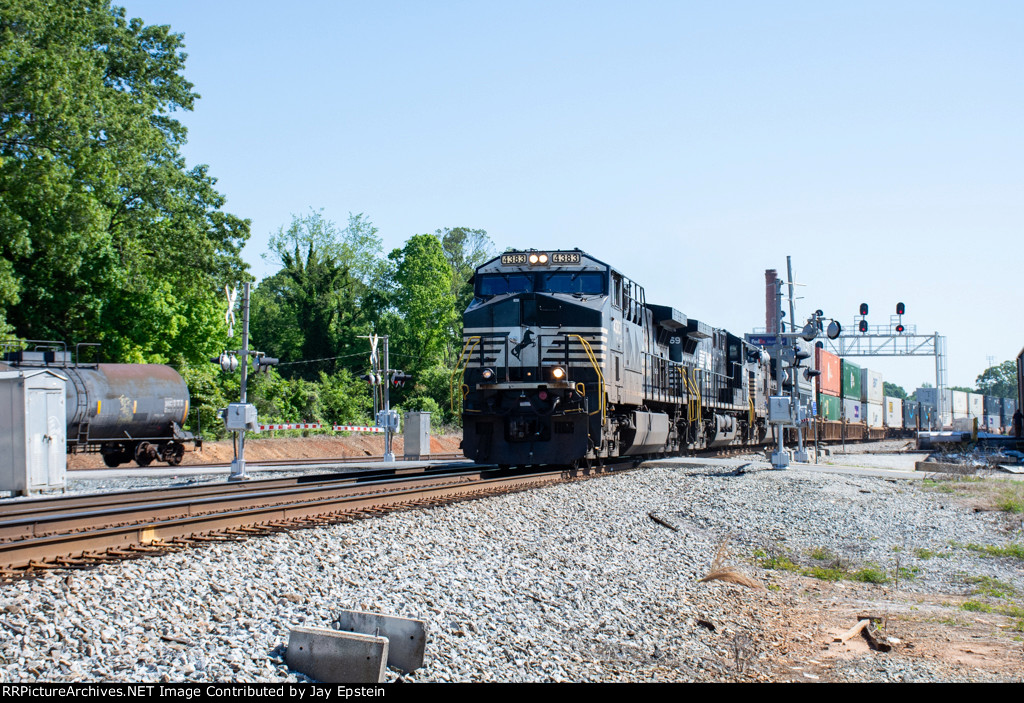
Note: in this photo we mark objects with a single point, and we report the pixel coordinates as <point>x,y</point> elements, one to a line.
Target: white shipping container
<point>993,424</point>
<point>946,421</point>
<point>892,412</point>
<point>873,413</point>
<point>852,410</point>
<point>871,390</point>
<point>976,406</point>
<point>959,403</point>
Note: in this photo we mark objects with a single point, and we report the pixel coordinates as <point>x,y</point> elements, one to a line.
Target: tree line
<point>107,235</point>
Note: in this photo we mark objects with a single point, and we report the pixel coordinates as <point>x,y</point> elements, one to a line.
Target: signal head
<point>900,328</point>
<point>863,308</point>
<point>863,325</point>
<point>900,308</point>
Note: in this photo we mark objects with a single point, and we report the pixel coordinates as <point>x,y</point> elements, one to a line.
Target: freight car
<point>565,362</point>
<point>123,411</point>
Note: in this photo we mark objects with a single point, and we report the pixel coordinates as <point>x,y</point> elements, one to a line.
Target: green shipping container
<point>828,407</point>
<point>851,380</point>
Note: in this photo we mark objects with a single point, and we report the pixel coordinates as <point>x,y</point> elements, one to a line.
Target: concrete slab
<point>938,467</point>
<point>331,656</point>
<point>407,637</point>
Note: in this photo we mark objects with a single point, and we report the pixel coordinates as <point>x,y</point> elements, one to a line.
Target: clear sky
<point>691,145</point>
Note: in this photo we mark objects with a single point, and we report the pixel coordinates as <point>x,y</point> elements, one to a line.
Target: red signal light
<point>863,325</point>
<point>900,328</point>
<point>900,308</point>
<point>863,308</point>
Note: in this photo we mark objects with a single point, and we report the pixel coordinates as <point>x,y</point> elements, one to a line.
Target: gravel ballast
<point>574,582</point>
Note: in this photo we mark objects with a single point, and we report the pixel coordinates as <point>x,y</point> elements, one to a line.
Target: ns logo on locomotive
<point>565,362</point>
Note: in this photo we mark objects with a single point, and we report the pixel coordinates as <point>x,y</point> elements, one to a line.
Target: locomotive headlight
<point>558,373</point>
<point>543,258</point>
<point>534,258</point>
<point>487,374</point>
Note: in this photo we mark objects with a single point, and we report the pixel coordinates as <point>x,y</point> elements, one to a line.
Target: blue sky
<point>691,145</point>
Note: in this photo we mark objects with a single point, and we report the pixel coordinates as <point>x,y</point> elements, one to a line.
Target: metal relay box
<point>241,417</point>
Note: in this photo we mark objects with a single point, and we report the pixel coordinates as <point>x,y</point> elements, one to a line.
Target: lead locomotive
<point>564,362</point>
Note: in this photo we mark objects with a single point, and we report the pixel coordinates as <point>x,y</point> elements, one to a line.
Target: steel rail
<point>165,531</point>
<point>57,504</point>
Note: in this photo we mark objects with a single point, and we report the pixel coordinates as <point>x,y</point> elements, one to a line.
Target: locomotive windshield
<point>569,282</point>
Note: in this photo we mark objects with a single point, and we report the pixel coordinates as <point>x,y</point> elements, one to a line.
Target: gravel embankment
<point>569,583</point>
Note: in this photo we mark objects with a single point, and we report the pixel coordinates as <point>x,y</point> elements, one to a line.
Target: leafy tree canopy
<point>105,233</point>
<point>325,294</point>
<point>893,391</point>
<point>999,380</point>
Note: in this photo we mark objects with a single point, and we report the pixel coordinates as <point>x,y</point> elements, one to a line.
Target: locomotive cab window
<point>492,284</point>
<point>617,291</point>
<point>574,282</point>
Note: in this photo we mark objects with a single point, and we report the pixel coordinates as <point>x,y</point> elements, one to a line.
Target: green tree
<point>105,233</point>
<point>424,303</point>
<point>315,307</point>
<point>465,249</point>
<point>893,391</point>
<point>999,380</point>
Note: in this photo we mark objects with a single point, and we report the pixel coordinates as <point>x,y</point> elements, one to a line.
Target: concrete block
<point>407,637</point>
<point>937,467</point>
<point>331,656</point>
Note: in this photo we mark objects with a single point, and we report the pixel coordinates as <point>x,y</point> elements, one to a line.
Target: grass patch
<point>869,574</point>
<point>1012,550</point>
<point>925,553</point>
<point>822,554</point>
<point>1011,498</point>
<point>988,586</point>
<point>974,606</point>
<point>823,573</point>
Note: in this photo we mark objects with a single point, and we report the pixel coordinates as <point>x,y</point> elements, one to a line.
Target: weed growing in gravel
<point>988,586</point>
<point>976,606</point>
<point>822,554</point>
<point>1011,498</point>
<point>925,553</point>
<point>1014,550</point>
<point>869,574</point>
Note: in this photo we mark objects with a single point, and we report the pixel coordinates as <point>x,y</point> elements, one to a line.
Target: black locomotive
<point>565,362</point>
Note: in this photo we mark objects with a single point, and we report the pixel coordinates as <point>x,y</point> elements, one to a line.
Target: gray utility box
<point>417,435</point>
<point>33,424</point>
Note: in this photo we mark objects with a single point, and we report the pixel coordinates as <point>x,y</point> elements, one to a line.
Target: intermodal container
<point>852,410</point>
<point>892,410</point>
<point>910,414</point>
<point>871,387</point>
<point>992,423</point>
<point>1009,408</point>
<point>828,364</point>
<point>829,407</point>
<point>993,405</point>
<point>976,407</point>
<point>872,412</point>
<point>959,404</point>
<point>850,385</point>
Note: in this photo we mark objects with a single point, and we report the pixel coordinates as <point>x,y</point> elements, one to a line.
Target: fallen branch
<point>662,522</point>
<point>853,631</point>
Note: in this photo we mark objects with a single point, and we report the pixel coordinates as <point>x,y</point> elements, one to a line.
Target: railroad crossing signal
<point>264,362</point>
<point>372,378</point>
<point>399,378</point>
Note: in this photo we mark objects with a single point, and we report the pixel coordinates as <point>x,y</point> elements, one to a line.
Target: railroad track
<point>82,531</point>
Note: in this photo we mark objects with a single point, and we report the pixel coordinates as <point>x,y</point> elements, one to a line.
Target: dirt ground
<point>270,448</point>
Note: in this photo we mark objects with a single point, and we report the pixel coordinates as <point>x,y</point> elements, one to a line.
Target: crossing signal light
<point>399,378</point>
<point>263,363</point>
<point>371,378</point>
<point>863,310</point>
<point>863,325</point>
<point>900,308</point>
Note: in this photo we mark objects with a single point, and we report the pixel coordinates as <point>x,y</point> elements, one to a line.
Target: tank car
<point>565,362</point>
<point>125,412</point>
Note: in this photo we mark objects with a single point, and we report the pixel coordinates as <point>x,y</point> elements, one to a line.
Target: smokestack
<point>771,323</point>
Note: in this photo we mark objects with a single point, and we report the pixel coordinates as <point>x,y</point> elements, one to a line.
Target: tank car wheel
<point>173,453</point>
<point>112,460</point>
<point>144,454</point>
